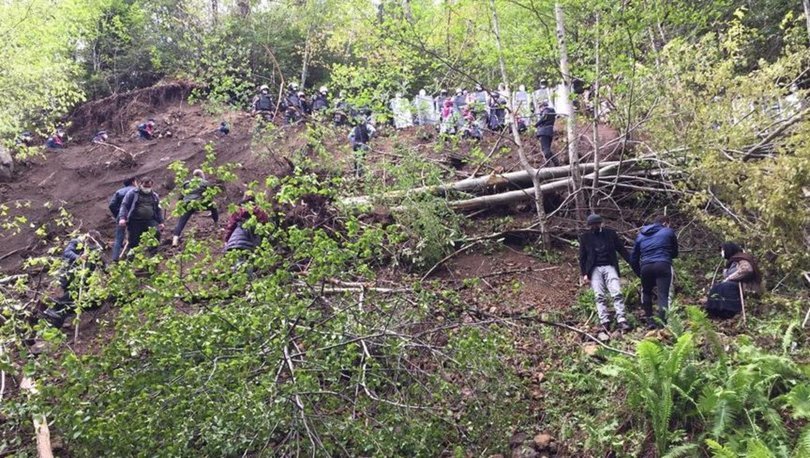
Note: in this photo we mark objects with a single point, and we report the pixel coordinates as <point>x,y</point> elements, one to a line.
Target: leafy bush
<point>261,353</point>
<point>734,402</point>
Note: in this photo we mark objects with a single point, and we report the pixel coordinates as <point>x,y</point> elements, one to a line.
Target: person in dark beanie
<point>80,258</point>
<point>741,275</point>
<point>115,206</point>
<point>140,211</point>
<point>599,265</point>
<point>655,248</point>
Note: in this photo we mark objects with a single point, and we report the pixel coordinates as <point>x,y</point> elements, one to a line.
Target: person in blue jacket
<point>57,140</point>
<point>115,206</point>
<point>140,211</point>
<point>146,130</point>
<point>655,248</point>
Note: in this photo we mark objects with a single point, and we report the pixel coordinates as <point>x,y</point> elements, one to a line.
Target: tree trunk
<point>571,127</point>
<point>595,101</point>
<point>522,195</point>
<point>807,15</point>
<point>305,61</point>
<point>524,160</point>
<point>510,197</point>
<point>215,13</point>
<point>43,433</point>
<point>483,183</point>
<point>244,8</point>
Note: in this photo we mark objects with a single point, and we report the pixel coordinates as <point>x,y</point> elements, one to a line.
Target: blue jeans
<point>118,244</point>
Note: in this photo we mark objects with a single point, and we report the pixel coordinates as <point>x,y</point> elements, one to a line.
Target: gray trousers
<point>604,281</point>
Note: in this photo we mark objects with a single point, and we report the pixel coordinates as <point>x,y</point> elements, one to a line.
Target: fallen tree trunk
<point>481,183</point>
<point>520,195</point>
<point>505,198</point>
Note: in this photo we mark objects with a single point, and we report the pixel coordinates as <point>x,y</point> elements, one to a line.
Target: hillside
<point>72,186</point>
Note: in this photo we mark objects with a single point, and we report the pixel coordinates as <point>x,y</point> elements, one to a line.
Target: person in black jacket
<point>194,200</point>
<point>545,130</point>
<point>79,261</point>
<point>599,265</point>
<point>140,211</point>
<point>115,207</point>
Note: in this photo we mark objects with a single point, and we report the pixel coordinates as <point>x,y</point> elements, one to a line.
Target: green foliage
<point>740,190</point>
<point>430,228</point>
<point>734,401</point>
<point>223,68</point>
<point>253,353</point>
<point>40,80</point>
<point>662,381</point>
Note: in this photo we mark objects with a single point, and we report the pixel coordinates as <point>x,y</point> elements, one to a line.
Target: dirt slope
<point>83,176</point>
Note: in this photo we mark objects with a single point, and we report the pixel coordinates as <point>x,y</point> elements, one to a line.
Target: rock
<point>525,451</point>
<point>542,441</point>
<point>517,440</point>
<point>6,165</point>
<point>590,349</point>
<point>603,336</point>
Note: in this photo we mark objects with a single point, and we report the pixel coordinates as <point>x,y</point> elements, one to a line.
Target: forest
<point>467,228</point>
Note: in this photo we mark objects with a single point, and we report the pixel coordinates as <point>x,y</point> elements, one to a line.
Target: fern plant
<point>660,382</point>
<point>740,404</point>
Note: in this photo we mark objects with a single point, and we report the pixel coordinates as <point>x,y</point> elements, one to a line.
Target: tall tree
<point>244,8</point>
<point>806,4</point>
<point>524,160</point>
<point>571,126</point>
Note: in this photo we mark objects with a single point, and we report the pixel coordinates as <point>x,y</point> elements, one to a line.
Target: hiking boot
<point>651,324</point>
<point>606,326</point>
<point>54,318</point>
<point>624,326</point>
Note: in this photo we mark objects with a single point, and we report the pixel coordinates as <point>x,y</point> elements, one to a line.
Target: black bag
<point>724,300</point>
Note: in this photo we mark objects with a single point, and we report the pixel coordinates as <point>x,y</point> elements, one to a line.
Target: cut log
<point>477,184</point>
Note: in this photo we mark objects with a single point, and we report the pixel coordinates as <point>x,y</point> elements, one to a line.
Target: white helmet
<point>398,95</point>
<point>459,91</point>
<point>422,92</point>
<point>522,87</point>
<point>264,87</point>
<point>323,90</point>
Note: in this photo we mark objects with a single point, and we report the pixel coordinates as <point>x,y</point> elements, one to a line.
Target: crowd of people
<point>137,208</point>
<point>464,113</point>
<point>651,259</point>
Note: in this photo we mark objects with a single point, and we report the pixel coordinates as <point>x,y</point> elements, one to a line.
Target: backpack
<point>361,133</point>
<point>265,103</point>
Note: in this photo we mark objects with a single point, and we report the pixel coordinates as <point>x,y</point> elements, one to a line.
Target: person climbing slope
<point>741,275</point>
<point>599,266</point>
<point>140,211</point>
<point>194,200</point>
<point>655,248</point>
<point>146,130</point>
<point>115,207</point>
<point>81,256</point>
